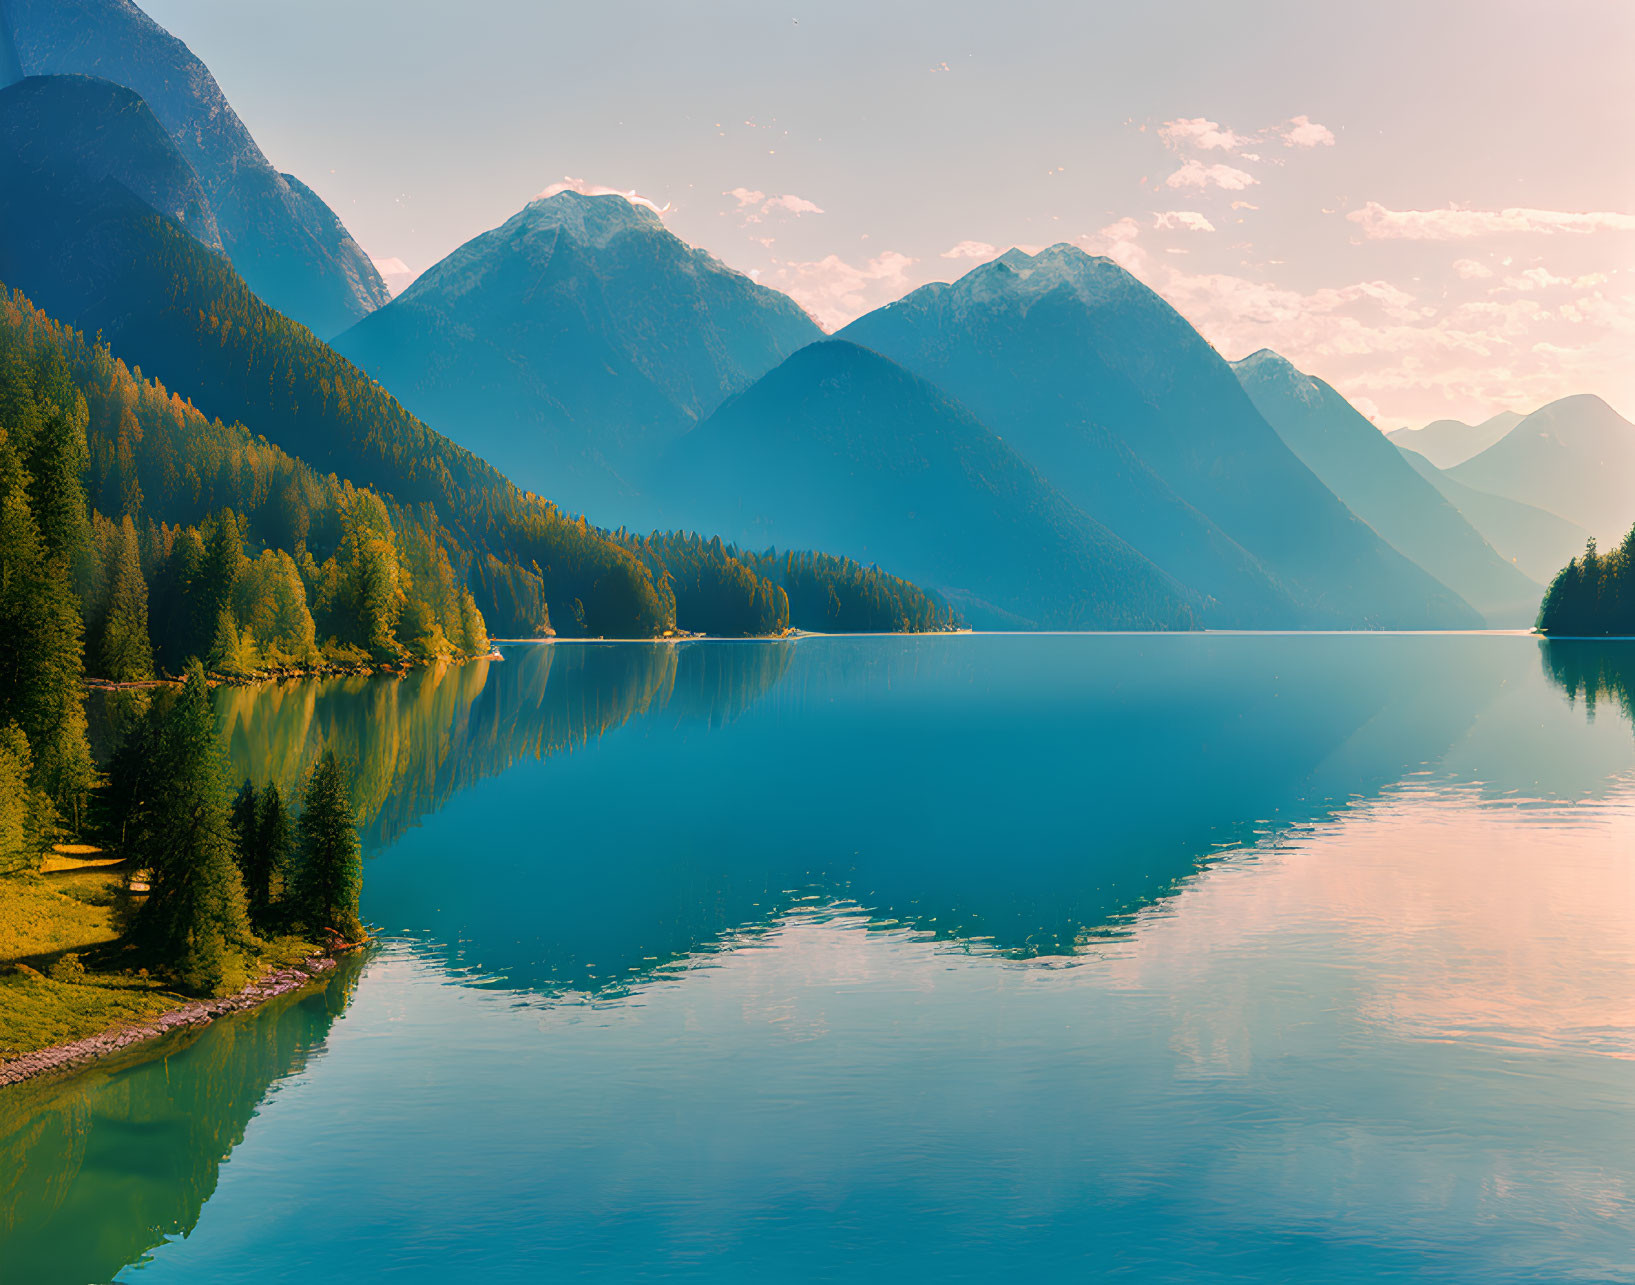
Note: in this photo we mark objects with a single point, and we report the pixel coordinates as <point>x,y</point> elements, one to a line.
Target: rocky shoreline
<point>79,1053</point>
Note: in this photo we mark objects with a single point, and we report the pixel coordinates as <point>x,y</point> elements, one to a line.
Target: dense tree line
<point>204,541</point>
<point>1593,595</point>
<point>829,594</point>
<point>721,589</point>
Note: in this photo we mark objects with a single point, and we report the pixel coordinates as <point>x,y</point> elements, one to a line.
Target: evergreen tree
<point>244,818</point>
<point>41,650</point>
<point>20,842</point>
<point>266,875</point>
<point>329,870</point>
<point>194,918</point>
<point>124,652</point>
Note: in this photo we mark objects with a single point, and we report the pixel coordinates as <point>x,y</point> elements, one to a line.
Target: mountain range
<point>1132,415</point>
<point>1574,458</point>
<point>1044,440</point>
<point>841,448</point>
<point>1446,442</point>
<point>571,345</point>
<point>1375,480</point>
<point>288,245</point>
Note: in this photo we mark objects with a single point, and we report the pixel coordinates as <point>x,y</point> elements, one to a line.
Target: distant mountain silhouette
<point>89,132</point>
<point>1352,458</point>
<point>288,245</point>
<point>841,448</point>
<point>1537,543</point>
<point>1574,458</point>
<point>1446,442</point>
<point>575,342</point>
<point>1130,414</point>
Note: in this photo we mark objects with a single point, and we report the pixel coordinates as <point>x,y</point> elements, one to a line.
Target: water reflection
<point>1348,920</point>
<point>1028,795</point>
<point>99,1168</point>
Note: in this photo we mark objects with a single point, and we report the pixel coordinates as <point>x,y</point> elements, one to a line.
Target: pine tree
<point>329,871</point>
<point>125,654</point>
<point>194,919</point>
<point>226,654</point>
<point>244,818</point>
<point>267,875</point>
<point>20,842</point>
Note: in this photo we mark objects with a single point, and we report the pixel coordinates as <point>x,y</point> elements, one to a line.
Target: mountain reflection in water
<point>1029,807</point>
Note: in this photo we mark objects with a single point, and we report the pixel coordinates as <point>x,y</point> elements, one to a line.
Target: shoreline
<point>77,1055</point>
<point>289,675</point>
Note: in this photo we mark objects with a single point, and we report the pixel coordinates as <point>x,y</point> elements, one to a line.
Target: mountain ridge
<point>1371,477</point>
<point>291,247</point>
<point>1061,352</point>
<point>573,342</point>
<point>841,448</point>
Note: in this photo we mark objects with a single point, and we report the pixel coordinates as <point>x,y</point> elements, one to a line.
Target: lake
<point>1176,958</point>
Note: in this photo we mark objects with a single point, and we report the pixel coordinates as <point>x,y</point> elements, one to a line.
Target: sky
<point>1429,204</point>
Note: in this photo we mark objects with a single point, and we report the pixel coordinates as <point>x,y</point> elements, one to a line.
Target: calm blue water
<point>1192,958</point>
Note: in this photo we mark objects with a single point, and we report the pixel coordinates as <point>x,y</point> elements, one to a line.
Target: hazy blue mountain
<point>1352,458</point>
<point>1446,442</point>
<point>286,243</point>
<point>842,449</point>
<point>573,343</point>
<point>1086,372</point>
<point>1574,458</point>
<point>99,132</point>
<point>1538,543</point>
<point>11,67</point>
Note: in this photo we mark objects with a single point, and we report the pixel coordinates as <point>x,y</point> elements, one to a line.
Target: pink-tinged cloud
<point>755,206</point>
<point>1182,221</point>
<point>596,189</point>
<point>836,292</point>
<point>1194,173</point>
<point>1455,224</point>
<point>1205,135</point>
<point>1544,279</point>
<point>1303,131</point>
<point>1471,270</point>
<point>789,204</point>
<point>971,250</point>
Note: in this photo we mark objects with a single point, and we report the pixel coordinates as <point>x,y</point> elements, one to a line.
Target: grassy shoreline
<point>68,995</point>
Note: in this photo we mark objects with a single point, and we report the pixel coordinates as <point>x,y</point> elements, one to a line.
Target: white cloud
<point>1194,173</point>
<point>1182,220</point>
<point>1205,135</point>
<point>1303,131</point>
<point>789,204</point>
<point>1471,270</point>
<point>971,250</point>
<point>836,292</point>
<point>756,205</point>
<point>596,189</point>
<point>1544,279</point>
<point>1453,223</point>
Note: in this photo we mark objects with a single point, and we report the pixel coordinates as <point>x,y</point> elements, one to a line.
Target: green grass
<point>46,1001</point>
<point>36,1012</point>
<point>45,915</point>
